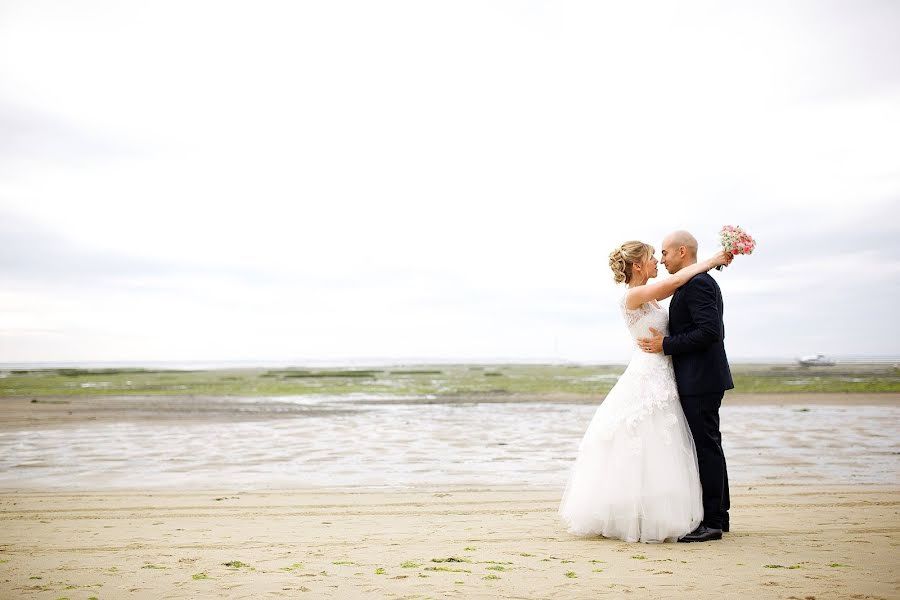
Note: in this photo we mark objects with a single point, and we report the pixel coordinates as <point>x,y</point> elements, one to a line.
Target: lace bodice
<point>642,318</point>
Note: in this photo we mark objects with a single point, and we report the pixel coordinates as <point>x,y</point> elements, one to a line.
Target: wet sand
<point>20,413</point>
<point>787,542</point>
<point>327,442</point>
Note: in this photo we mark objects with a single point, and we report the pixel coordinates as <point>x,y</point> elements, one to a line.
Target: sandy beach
<point>787,542</point>
<point>204,497</point>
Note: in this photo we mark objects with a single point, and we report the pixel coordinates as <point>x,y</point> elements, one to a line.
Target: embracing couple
<point>650,467</point>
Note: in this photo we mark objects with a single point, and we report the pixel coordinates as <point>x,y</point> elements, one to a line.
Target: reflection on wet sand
<point>259,443</point>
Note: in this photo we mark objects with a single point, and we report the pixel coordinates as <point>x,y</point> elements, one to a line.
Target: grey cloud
<point>804,233</point>
<point>843,48</point>
<point>815,306</point>
<point>27,134</point>
<point>864,42</point>
<point>33,252</point>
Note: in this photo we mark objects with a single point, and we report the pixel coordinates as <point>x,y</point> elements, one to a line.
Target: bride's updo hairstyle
<point>625,256</point>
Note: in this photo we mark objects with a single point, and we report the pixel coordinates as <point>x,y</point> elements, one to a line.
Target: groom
<point>695,342</point>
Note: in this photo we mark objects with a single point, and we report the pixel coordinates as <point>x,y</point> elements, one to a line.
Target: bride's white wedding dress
<point>635,477</point>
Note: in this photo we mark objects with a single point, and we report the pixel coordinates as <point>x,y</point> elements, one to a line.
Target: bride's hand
<point>721,258</point>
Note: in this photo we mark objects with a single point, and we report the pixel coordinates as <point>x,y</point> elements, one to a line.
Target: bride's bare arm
<point>665,288</point>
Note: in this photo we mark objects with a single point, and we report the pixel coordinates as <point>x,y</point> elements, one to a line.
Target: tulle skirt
<point>635,477</point>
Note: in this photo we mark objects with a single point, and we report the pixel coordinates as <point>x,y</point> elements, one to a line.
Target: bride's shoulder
<point>623,302</point>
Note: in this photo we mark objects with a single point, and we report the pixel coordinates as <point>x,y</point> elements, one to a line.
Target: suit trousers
<point>702,414</point>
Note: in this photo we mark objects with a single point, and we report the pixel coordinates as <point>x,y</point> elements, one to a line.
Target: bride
<point>635,477</point>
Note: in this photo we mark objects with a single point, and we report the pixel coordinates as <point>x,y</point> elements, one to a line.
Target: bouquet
<point>736,241</point>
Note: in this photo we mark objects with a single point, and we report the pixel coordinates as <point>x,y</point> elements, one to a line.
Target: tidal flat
<point>421,481</point>
<point>549,381</point>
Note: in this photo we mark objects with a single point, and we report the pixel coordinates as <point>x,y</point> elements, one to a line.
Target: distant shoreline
<point>362,363</point>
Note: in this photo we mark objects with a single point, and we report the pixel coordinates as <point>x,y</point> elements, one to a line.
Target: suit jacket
<point>696,338</point>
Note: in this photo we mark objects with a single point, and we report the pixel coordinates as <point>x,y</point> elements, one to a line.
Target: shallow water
<point>430,444</point>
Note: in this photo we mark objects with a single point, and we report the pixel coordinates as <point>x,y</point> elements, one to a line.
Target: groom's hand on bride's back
<point>653,344</point>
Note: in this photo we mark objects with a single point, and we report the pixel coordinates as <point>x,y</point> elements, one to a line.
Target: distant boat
<point>815,360</point>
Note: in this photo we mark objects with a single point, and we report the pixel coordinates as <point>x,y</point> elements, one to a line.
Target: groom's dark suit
<point>696,344</point>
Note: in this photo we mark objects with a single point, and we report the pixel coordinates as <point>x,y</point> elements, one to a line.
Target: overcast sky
<point>422,180</point>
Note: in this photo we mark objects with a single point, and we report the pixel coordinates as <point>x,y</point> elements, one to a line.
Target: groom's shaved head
<point>683,238</point>
<point>672,255</point>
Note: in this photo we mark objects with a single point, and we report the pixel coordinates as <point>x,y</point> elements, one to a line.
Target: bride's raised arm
<point>665,288</point>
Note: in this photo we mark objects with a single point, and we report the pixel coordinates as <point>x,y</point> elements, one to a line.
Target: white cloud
<point>337,179</point>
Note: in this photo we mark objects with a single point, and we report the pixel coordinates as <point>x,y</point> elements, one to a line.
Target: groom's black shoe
<point>702,534</point>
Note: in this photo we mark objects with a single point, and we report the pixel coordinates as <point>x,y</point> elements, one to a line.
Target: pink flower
<point>736,241</point>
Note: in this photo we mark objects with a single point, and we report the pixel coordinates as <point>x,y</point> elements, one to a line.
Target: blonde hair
<point>627,255</point>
